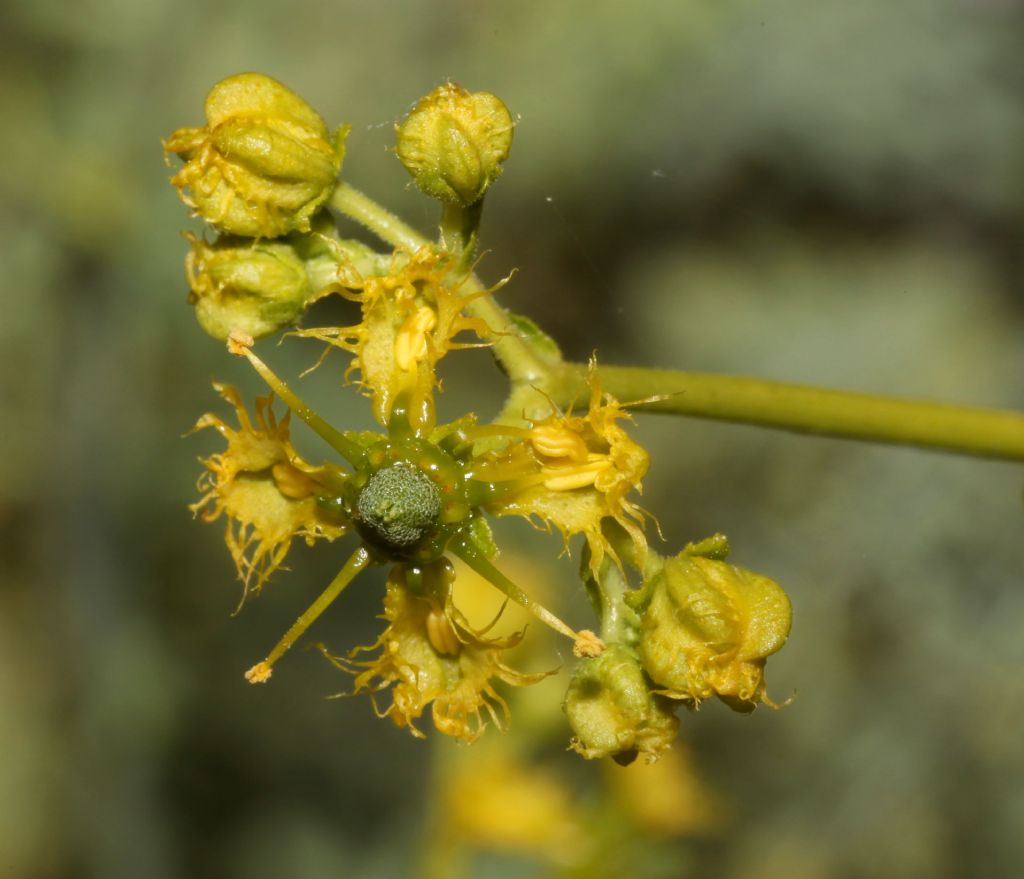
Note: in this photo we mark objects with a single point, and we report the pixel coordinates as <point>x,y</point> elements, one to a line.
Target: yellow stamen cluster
<point>410,318</point>
<point>573,472</point>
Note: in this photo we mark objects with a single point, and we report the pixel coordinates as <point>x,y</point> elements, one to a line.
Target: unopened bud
<point>263,164</point>
<point>453,143</point>
<point>245,287</point>
<point>707,628</point>
<point>613,711</point>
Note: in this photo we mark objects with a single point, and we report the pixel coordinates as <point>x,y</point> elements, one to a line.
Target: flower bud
<point>263,164</point>
<point>453,143</point>
<point>612,710</point>
<point>707,628</point>
<point>244,287</point>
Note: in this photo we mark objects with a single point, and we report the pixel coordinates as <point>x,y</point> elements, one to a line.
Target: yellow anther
<point>568,478</point>
<point>293,483</point>
<point>587,645</point>
<point>259,674</point>
<point>411,341</point>
<point>441,634</point>
<point>556,441</point>
<point>239,343</point>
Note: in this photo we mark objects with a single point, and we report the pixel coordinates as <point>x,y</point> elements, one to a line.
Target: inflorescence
<point>263,173</point>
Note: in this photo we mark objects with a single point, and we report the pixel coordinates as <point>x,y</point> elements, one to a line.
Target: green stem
<point>352,451</point>
<point>385,225</point>
<point>473,558</point>
<point>260,672</point>
<point>988,433</point>
<point>459,228</point>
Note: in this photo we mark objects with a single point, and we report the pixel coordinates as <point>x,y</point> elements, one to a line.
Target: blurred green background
<point>809,190</point>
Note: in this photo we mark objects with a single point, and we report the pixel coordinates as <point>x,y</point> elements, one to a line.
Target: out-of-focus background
<point>809,190</point>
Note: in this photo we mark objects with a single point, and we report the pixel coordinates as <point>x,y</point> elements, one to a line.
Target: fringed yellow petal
<point>263,488</point>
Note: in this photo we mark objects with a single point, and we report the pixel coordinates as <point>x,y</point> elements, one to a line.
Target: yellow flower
<point>263,164</point>
<point>428,655</point>
<point>266,491</point>
<point>410,318</point>
<point>707,628</point>
<point>573,471</point>
<point>496,800</point>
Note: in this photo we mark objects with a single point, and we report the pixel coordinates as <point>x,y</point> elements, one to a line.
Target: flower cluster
<point>263,174</point>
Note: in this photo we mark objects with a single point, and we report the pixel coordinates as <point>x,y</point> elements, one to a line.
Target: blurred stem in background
<point>534,373</point>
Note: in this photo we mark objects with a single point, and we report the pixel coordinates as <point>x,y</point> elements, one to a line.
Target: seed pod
<point>707,628</point>
<point>263,164</point>
<point>453,143</point>
<point>613,711</point>
<point>243,287</point>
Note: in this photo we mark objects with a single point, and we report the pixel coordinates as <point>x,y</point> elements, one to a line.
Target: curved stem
<point>261,672</point>
<point>385,225</point>
<point>988,433</point>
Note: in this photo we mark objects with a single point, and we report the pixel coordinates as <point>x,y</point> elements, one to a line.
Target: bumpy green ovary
<point>399,506</point>
<point>409,500</point>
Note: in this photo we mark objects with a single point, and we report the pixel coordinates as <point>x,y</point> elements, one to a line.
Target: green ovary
<point>398,507</point>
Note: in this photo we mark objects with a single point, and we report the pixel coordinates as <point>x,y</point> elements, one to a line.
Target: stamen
<point>411,341</point>
<point>260,673</point>
<point>241,345</point>
<point>472,557</point>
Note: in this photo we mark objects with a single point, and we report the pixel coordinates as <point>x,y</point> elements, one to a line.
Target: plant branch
<point>990,433</point>
<point>534,377</point>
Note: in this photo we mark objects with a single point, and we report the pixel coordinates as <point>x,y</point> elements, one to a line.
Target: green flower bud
<point>453,143</point>
<point>263,164</point>
<point>245,287</point>
<point>707,628</point>
<point>613,711</point>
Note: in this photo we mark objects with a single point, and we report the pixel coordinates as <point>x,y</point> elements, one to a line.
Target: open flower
<point>429,655</point>
<point>410,318</point>
<point>572,472</point>
<point>268,494</point>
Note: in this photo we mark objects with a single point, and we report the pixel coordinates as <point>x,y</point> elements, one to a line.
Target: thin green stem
<point>352,451</point>
<point>988,433</point>
<point>459,229</point>
<point>381,222</point>
<point>496,578</point>
<point>261,672</point>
